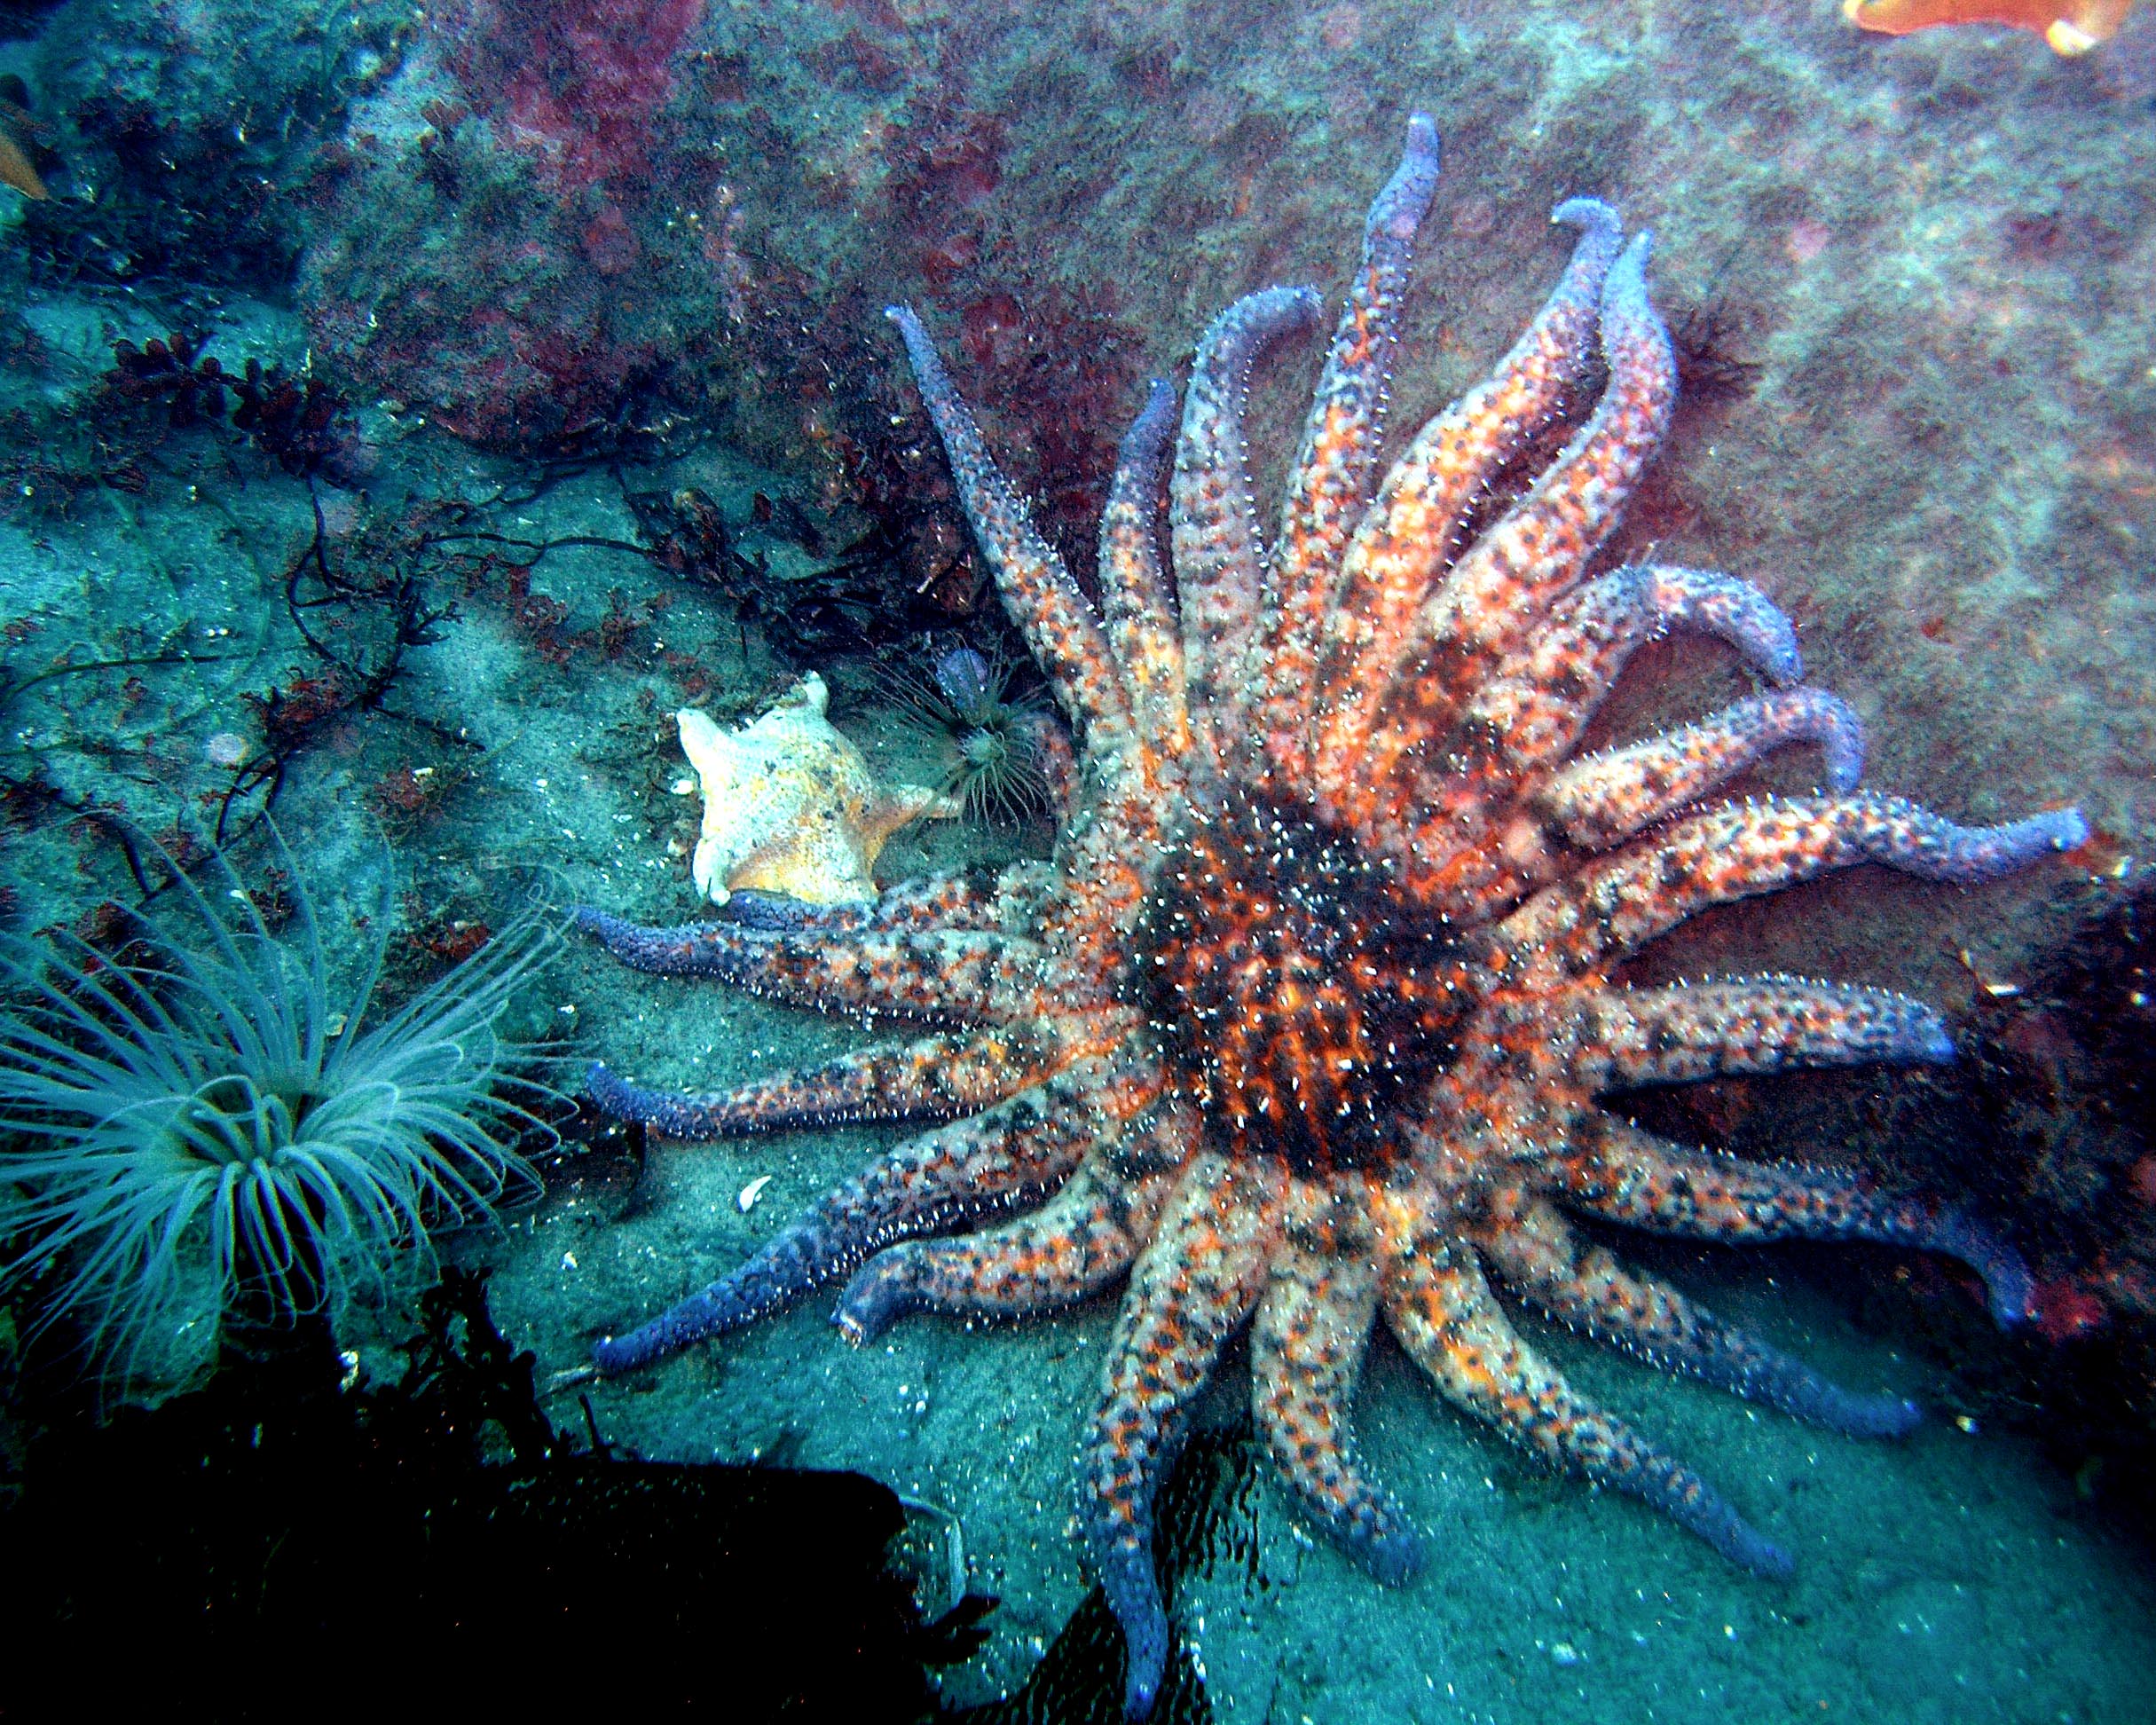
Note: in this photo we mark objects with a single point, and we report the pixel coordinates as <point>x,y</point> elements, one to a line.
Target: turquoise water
<point>572,406</point>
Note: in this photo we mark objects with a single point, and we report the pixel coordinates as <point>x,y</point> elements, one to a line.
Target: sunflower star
<point>1306,1021</point>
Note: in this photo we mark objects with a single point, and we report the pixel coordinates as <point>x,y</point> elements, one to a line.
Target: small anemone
<point>204,1128</point>
<point>990,738</point>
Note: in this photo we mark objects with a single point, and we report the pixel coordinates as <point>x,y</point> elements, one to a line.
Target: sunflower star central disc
<point>1306,1026</point>
<point>1300,1003</point>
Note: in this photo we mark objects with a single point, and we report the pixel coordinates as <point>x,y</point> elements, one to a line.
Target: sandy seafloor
<point>1956,1576</point>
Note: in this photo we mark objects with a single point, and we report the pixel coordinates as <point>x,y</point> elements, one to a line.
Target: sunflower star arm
<point>1334,470</point>
<point>1621,1172</point>
<point>1307,1343</point>
<point>1190,1292</point>
<point>1681,1034</point>
<point>1609,798</point>
<point>1440,1306</point>
<point>1531,714</point>
<point>1523,724</point>
<point>1535,710</point>
<point>1076,1244</point>
<point>1011,1156</point>
<point>1211,520</point>
<point>1533,1061</point>
<point>933,1078</point>
<point>1059,626</point>
<point>1542,1255</point>
<point>960,899</point>
<point>1103,851</point>
<point>1612,910</point>
<point>1403,542</point>
<point>1507,582</point>
<point>917,972</point>
<point>1135,591</point>
<point>1707,602</point>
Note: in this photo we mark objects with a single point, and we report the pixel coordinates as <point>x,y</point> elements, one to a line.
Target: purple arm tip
<point>2069,828</point>
<point>1401,206</point>
<point>1628,274</point>
<point>599,924</point>
<point>1235,339</point>
<point>919,349</point>
<point>2010,1291</point>
<point>1840,735</point>
<point>1882,1417</point>
<point>1629,320</point>
<point>1735,611</point>
<point>1143,451</point>
<point>1942,850</point>
<point>1590,214</point>
<point>1768,642</point>
<point>669,1115</point>
<point>1696,1507</point>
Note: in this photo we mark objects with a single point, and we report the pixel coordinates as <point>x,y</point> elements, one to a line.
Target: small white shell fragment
<point>751,1192</point>
<point>1992,986</point>
<point>683,787</point>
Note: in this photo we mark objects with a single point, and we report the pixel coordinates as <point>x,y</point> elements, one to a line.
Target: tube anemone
<point>204,1127</point>
<point>990,739</point>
